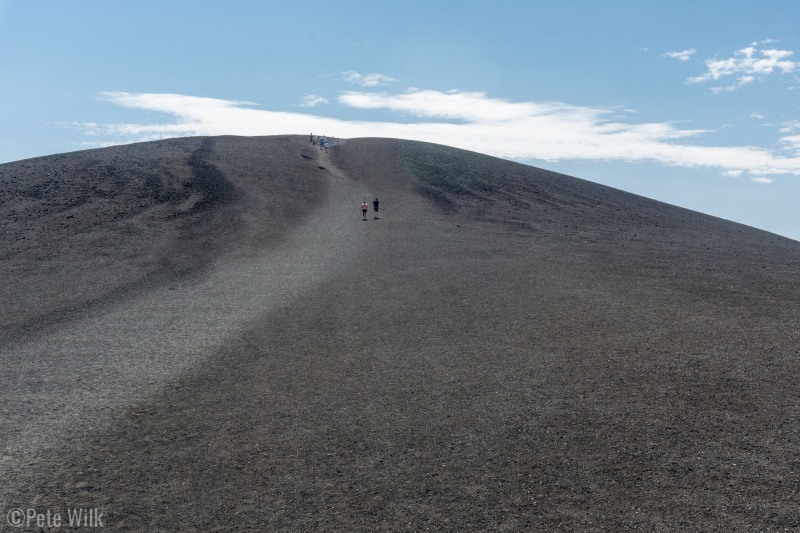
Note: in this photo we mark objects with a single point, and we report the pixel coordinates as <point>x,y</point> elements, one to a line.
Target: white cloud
<point>103,144</point>
<point>524,131</point>
<point>312,100</point>
<point>790,126</point>
<point>683,55</point>
<point>453,105</point>
<point>89,128</point>
<point>366,80</point>
<point>756,115</point>
<point>741,82</point>
<point>764,181</point>
<point>746,66</point>
<point>792,142</point>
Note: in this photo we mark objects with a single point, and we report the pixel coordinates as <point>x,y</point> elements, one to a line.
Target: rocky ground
<point>203,335</point>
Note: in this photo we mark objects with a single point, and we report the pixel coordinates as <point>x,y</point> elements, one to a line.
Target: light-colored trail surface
<point>75,378</point>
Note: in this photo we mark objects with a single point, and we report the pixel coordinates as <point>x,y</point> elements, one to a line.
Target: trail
<point>74,379</point>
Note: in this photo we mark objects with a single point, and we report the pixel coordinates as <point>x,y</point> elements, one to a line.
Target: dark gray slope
<point>505,349</point>
<point>85,228</point>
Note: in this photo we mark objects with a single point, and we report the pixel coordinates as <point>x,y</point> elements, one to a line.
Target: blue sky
<point>692,103</point>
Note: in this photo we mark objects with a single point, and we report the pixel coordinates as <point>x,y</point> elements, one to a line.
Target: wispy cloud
<point>366,80</point>
<point>312,100</point>
<point>89,128</point>
<point>764,181</point>
<point>746,66</point>
<point>454,105</point>
<point>792,142</point>
<point>524,131</point>
<point>683,55</point>
<point>790,126</point>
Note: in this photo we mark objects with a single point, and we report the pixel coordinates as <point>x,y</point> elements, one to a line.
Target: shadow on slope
<point>642,238</point>
<point>460,182</point>
<point>85,228</point>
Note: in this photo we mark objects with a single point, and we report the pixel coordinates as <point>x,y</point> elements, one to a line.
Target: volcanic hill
<point>202,334</point>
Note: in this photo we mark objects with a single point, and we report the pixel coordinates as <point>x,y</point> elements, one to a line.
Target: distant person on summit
<point>375,204</point>
<point>364,209</point>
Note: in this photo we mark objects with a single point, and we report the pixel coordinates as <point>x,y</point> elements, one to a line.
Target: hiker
<point>364,209</point>
<point>311,138</point>
<point>375,204</point>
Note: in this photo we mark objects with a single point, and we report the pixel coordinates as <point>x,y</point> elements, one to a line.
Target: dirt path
<point>74,379</point>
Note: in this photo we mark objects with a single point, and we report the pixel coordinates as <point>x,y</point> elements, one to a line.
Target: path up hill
<point>500,348</point>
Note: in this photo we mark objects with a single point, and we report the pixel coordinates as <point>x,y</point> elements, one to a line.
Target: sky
<point>692,103</point>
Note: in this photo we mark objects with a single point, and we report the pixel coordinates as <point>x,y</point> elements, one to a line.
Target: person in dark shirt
<point>375,204</point>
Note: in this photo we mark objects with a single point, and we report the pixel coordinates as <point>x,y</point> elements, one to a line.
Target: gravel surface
<point>505,348</point>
